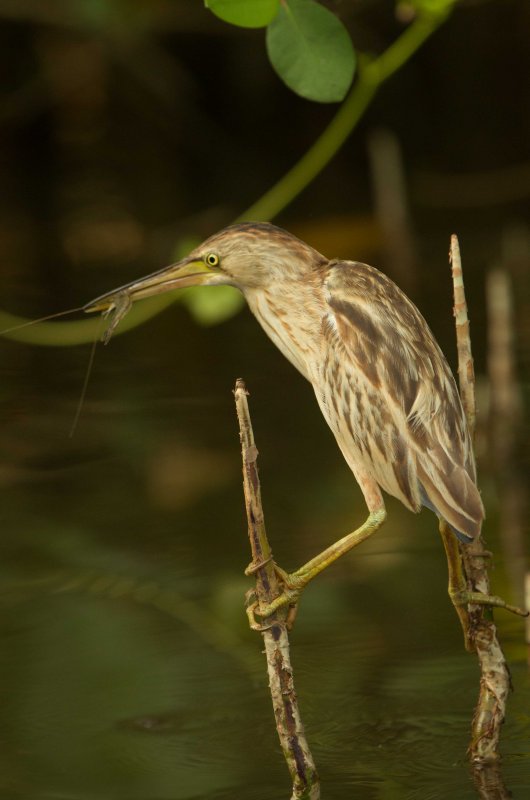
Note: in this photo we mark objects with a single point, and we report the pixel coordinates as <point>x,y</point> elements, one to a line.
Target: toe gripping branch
<point>461,578</point>
<point>292,583</point>
<point>287,596</point>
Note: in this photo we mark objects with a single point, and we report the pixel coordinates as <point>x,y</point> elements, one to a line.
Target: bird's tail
<point>454,497</point>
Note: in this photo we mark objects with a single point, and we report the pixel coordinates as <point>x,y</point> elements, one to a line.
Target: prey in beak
<point>190,271</point>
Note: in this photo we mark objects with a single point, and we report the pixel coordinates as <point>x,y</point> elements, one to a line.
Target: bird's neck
<point>291,315</point>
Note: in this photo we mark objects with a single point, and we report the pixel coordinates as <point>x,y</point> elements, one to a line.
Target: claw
<point>253,623</point>
<point>292,611</point>
<point>291,586</point>
<point>254,566</point>
<point>288,597</point>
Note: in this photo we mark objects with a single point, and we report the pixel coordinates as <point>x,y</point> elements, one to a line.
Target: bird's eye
<point>212,259</point>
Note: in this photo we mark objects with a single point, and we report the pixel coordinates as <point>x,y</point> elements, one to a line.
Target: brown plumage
<point>380,379</point>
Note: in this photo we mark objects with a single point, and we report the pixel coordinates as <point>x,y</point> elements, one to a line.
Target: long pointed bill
<point>188,272</point>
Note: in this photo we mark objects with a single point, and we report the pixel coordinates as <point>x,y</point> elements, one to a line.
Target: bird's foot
<point>251,610</point>
<point>291,586</point>
<point>254,566</point>
<point>464,598</point>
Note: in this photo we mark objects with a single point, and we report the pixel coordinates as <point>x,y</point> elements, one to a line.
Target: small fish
<point>116,311</point>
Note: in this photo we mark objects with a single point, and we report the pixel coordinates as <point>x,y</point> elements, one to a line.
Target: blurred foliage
<point>246,13</point>
<point>307,45</point>
<point>311,51</point>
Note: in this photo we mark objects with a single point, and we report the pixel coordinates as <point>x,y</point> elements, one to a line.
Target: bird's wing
<point>386,339</point>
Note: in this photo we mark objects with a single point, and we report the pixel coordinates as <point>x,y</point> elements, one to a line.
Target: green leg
<point>460,594</point>
<point>294,582</point>
<point>457,585</point>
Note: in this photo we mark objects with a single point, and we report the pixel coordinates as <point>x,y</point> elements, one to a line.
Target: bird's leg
<point>457,584</point>
<point>459,591</point>
<point>294,582</point>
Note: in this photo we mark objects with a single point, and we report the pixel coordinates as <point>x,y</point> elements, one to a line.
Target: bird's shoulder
<point>374,315</point>
<point>384,336</point>
<point>351,282</point>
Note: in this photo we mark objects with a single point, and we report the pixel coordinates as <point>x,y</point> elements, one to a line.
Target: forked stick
<point>495,677</point>
<point>296,751</point>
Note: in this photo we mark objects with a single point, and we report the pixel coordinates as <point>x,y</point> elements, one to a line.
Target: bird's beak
<point>189,271</point>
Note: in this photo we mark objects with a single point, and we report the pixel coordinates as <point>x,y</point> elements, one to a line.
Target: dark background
<point>126,129</point>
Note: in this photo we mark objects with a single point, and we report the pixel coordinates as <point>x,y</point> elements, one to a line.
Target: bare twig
<point>495,677</point>
<point>288,722</point>
<point>466,372</point>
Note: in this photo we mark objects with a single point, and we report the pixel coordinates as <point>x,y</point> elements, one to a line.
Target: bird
<point>380,378</point>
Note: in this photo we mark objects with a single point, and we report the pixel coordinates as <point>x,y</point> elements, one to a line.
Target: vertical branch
<point>466,371</point>
<point>288,722</point>
<point>495,677</point>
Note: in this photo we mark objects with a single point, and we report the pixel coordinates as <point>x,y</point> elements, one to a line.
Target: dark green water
<point>127,668</point>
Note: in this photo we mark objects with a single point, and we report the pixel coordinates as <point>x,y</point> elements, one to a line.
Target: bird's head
<point>247,256</point>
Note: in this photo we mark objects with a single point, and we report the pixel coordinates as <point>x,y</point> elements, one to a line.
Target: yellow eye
<point>212,259</point>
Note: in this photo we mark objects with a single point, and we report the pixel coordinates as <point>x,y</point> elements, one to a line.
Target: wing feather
<point>388,346</point>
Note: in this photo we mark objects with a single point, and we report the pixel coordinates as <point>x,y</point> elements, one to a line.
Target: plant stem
<point>372,75</point>
<point>316,158</point>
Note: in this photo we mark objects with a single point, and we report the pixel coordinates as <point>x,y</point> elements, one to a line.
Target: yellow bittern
<point>381,381</point>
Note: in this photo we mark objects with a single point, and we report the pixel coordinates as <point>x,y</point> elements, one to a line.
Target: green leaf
<point>245,13</point>
<point>311,51</point>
